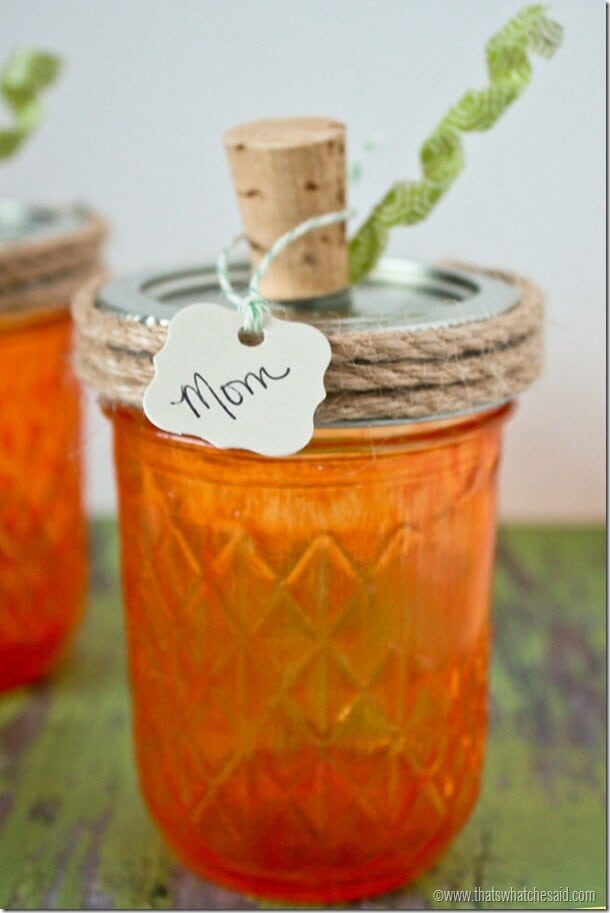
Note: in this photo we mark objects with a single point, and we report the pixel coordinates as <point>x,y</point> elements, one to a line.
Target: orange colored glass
<point>308,646</point>
<point>42,534</point>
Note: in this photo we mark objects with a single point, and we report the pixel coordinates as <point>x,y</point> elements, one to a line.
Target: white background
<point>134,127</point>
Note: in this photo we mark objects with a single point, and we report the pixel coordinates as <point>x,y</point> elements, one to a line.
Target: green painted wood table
<point>74,832</point>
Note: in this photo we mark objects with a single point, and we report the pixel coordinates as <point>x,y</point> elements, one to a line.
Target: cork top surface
<point>283,133</point>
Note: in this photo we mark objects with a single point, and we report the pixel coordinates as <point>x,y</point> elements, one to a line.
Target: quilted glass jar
<point>308,640</point>
<point>42,530</point>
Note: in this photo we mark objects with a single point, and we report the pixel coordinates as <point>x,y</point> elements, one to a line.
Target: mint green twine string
<point>253,306</point>
<point>24,76</point>
<point>441,156</point>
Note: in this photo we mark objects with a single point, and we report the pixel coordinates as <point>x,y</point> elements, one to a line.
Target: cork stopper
<point>285,171</point>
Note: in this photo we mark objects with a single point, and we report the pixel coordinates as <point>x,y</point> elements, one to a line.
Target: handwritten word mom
<point>201,393</point>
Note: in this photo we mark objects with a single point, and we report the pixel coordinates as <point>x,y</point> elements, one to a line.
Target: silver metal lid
<point>21,222</point>
<point>399,294</point>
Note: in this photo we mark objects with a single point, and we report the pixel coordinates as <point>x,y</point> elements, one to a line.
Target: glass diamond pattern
<point>322,582</point>
<point>302,701</point>
<point>42,535</point>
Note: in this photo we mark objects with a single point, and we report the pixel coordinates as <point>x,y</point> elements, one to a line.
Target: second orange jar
<point>44,254</point>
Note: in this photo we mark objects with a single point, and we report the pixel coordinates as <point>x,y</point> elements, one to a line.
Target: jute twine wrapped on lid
<point>411,374</point>
<point>384,372</point>
<point>45,255</point>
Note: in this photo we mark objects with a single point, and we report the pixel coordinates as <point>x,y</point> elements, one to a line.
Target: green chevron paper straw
<point>441,156</point>
<point>25,75</point>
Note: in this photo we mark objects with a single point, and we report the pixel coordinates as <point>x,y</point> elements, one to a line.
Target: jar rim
<point>345,438</point>
<point>398,295</point>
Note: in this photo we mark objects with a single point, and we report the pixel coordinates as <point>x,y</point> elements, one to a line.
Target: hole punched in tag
<point>250,337</point>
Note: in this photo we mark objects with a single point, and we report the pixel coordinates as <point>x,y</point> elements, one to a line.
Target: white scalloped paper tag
<point>209,384</point>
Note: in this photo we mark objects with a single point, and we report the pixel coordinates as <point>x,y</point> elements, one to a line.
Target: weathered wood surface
<point>74,832</point>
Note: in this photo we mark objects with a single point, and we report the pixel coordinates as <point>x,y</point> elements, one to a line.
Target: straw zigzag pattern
<point>25,75</point>
<point>441,156</point>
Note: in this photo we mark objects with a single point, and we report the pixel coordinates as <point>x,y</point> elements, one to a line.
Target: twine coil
<point>398,374</point>
<point>45,272</point>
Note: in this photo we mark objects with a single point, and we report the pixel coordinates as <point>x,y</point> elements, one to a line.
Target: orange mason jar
<point>308,637</point>
<point>42,531</point>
